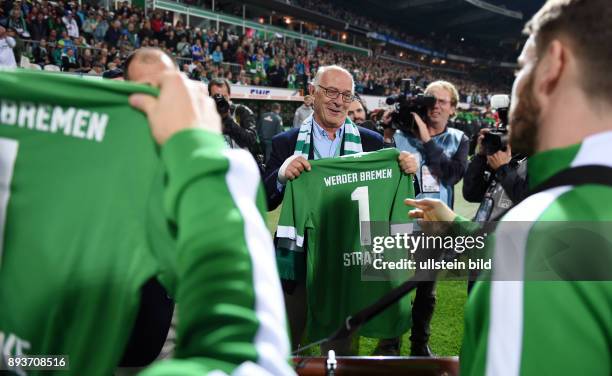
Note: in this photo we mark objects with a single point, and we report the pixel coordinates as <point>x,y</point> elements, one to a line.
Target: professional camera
<point>223,105</point>
<point>497,139</point>
<point>412,99</point>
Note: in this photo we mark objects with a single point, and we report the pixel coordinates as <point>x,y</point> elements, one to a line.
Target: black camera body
<point>412,99</point>
<point>495,141</point>
<point>222,104</point>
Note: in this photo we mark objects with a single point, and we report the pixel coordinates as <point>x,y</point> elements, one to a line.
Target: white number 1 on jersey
<point>8,155</point>
<point>362,196</point>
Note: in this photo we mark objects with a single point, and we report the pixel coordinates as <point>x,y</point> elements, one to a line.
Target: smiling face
<point>356,112</point>
<point>439,114</point>
<point>328,112</point>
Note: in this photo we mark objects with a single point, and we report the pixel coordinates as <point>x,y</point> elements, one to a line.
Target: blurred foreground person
<point>537,314</point>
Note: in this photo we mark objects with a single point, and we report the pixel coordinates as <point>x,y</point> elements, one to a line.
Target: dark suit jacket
<point>283,146</point>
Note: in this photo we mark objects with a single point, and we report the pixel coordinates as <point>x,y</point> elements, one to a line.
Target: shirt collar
<point>320,133</point>
<point>592,150</point>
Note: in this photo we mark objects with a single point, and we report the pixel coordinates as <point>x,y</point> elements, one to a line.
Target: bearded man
<point>545,307</point>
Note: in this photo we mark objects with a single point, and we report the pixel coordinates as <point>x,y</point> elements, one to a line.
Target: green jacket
<point>538,319</point>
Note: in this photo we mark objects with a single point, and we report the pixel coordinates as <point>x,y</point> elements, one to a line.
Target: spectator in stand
<point>17,23</point>
<point>241,56</point>
<point>69,62</point>
<point>71,25</point>
<point>242,78</point>
<point>228,54</point>
<point>291,79</point>
<point>171,40</point>
<point>113,34</point>
<point>183,48</point>
<point>97,69</point>
<point>132,36</point>
<point>217,56</point>
<point>146,31</point>
<point>157,25</point>
<point>101,28</point>
<point>41,53</point>
<point>39,27</point>
<point>85,61</point>
<point>89,25</point>
<point>286,63</point>
<point>7,43</point>
<point>197,54</point>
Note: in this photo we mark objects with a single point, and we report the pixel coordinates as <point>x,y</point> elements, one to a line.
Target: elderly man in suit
<point>328,133</point>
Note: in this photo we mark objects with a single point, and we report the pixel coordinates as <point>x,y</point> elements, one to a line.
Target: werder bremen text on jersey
<point>72,122</point>
<point>385,173</point>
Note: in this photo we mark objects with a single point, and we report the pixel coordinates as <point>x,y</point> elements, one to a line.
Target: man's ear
<point>550,69</point>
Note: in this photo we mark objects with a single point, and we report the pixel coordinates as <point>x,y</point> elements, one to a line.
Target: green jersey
<point>332,206</point>
<point>525,326</point>
<point>82,193</point>
<point>78,171</point>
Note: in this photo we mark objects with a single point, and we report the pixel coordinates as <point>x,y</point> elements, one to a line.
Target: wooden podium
<point>376,365</point>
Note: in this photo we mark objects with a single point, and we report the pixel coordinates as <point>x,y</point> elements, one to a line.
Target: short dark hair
<point>276,106</point>
<point>586,24</point>
<point>360,100</point>
<point>220,82</point>
<point>113,73</point>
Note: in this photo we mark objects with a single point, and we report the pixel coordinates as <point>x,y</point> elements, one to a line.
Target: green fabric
<point>327,213</point>
<point>88,224</point>
<point>76,247</point>
<point>566,326</point>
<point>543,165</point>
<point>352,138</point>
<point>218,325</point>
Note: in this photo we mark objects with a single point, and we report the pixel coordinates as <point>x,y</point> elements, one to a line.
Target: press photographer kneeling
<point>494,177</point>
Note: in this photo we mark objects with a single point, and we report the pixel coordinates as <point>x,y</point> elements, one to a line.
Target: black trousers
<point>422,311</point>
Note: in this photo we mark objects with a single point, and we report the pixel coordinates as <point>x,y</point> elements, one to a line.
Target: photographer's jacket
<point>496,191</point>
<point>240,128</point>
<point>441,162</point>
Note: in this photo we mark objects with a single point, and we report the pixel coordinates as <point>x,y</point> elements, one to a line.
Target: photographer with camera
<point>421,123</point>
<point>239,124</point>
<point>495,178</point>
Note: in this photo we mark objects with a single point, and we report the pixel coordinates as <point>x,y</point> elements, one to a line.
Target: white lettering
<point>42,116</point>
<point>62,120</point>
<point>8,113</point>
<point>97,126</point>
<point>27,111</point>
<point>80,120</point>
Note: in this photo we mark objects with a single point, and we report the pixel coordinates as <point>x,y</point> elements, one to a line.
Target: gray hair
<point>325,68</point>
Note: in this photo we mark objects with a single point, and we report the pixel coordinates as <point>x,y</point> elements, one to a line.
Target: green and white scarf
<point>352,139</point>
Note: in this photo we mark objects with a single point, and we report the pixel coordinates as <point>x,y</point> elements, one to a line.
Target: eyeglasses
<point>332,93</point>
<point>443,102</point>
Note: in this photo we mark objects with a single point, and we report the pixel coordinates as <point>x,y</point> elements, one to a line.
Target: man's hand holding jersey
<point>407,162</point>
<point>292,168</point>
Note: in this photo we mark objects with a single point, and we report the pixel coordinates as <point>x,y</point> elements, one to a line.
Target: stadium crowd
<point>90,39</point>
